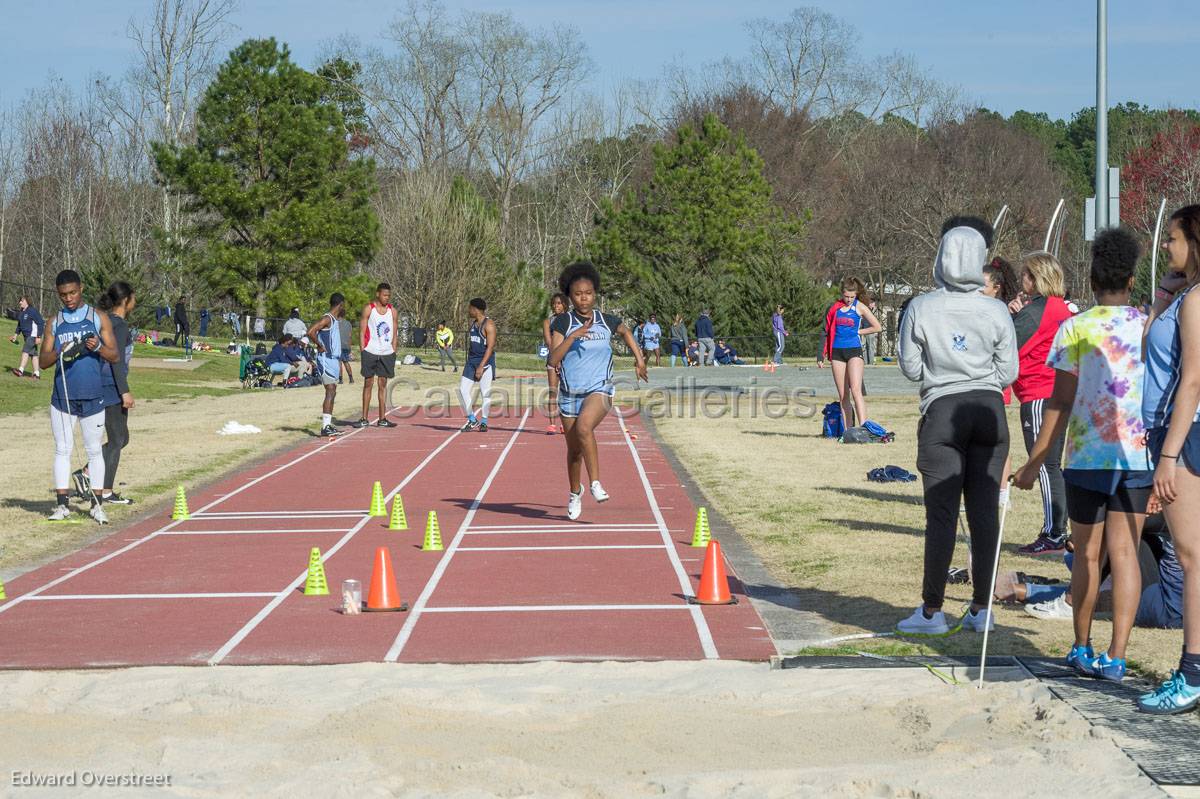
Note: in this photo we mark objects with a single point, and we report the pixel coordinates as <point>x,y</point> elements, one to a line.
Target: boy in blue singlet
<point>582,349</point>
<point>480,367</point>
<point>326,335</point>
<point>79,342</point>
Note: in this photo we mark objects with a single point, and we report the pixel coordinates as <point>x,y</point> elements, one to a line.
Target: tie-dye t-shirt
<point>1103,348</point>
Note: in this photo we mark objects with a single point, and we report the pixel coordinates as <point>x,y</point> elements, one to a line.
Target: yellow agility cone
<point>701,534</point>
<point>377,506</point>
<point>399,520</point>
<point>2,594</point>
<point>433,534</point>
<point>180,514</point>
<point>315,585</point>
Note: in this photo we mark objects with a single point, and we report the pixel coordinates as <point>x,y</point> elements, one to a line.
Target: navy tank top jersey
<point>477,345</point>
<point>81,378</point>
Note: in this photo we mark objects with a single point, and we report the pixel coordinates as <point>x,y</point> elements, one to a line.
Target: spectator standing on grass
<point>870,340</point>
<point>444,338</point>
<point>704,336</point>
<point>679,340</point>
<point>182,328</point>
<point>1171,412</point>
<point>380,334</point>
<point>30,325</point>
<point>961,347</point>
<point>780,332</point>
<point>1000,283</point>
<point>118,302</point>
<point>1096,402</point>
<point>1038,312</point>
<point>652,338</point>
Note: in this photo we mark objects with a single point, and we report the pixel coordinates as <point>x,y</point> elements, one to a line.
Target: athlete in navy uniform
<point>582,349</point>
<point>481,365</point>
<point>80,342</point>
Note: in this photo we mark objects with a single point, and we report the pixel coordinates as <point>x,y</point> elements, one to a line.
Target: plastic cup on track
<point>351,597</point>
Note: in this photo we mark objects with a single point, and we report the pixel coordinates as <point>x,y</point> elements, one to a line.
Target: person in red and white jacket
<point>1037,314</point>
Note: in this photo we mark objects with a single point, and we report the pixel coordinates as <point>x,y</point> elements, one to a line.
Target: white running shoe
<point>978,621</point>
<point>917,624</point>
<point>60,514</point>
<point>575,505</point>
<point>598,492</point>
<point>1056,608</point>
<point>97,513</point>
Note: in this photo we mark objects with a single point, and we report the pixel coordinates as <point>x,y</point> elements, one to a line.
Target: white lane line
<point>544,549</point>
<point>232,595</point>
<point>256,532</point>
<point>249,626</point>
<point>561,530</point>
<point>279,514</point>
<point>419,606</point>
<point>706,640</point>
<point>551,608</point>
<point>581,527</point>
<point>138,542</point>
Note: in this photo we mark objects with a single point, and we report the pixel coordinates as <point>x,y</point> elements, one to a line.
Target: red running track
<point>517,580</point>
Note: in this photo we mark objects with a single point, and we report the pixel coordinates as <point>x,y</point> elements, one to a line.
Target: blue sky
<point>1007,54</point>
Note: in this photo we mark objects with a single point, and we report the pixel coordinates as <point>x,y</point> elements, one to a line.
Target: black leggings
<point>116,430</point>
<point>962,443</point>
<point>1050,476</point>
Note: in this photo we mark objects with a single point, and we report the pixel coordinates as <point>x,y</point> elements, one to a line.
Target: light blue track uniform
<point>329,359</point>
<point>587,366</point>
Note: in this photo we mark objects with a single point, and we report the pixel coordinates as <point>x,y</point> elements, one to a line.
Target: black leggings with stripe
<point>1050,477</point>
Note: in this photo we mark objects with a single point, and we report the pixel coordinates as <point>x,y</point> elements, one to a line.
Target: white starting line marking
<point>283,514</point>
<point>554,608</point>
<point>564,531</point>
<point>249,626</point>
<point>579,527</point>
<point>257,532</point>
<point>439,570</point>
<point>543,549</point>
<point>53,597</point>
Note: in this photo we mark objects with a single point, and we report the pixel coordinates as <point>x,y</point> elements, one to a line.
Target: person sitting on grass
<point>726,355</point>
<point>1097,401</point>
<point>284,358</point>
<point>693,353</point>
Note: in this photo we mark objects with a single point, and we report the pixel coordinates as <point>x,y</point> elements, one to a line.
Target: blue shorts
<point>1189,455</point>
<point>570,405</point>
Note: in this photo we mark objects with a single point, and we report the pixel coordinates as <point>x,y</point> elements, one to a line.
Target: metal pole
<point>1101,115</point>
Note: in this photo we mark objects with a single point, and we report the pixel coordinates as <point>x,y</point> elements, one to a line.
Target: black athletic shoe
<point>469,426</point>
<point>362,423</point>
<point>329,430</point>
<point>116,499</point>
<point>83,486</point>
<point>386,423</point>
<point>482,427</point>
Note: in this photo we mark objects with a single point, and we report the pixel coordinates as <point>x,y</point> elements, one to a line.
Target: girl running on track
<point>558,306</point>
<point>582,350</point>
<point>480,367</point>
<point>79,342</point>
<point>844,349</point>
<point>118,302</point>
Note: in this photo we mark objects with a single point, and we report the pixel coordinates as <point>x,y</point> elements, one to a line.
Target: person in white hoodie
<point>960,346</point>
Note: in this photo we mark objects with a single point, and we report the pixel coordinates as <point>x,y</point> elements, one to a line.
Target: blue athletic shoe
<point>1078,655</point>
<point>1173,696</point>
<point>1106,668</point>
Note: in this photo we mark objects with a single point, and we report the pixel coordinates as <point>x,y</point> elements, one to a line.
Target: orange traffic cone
<point>714,585</point>
<point>383,594</point>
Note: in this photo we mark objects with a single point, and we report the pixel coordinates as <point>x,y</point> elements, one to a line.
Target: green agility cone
<point>180,514</point>
<point>399,520</point>
<point>433,534</point>
<point>315,585</point>
<point>701,534</point>
<point>377,506</point>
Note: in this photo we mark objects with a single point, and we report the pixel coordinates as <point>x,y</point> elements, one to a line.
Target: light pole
<point>1102,219</point>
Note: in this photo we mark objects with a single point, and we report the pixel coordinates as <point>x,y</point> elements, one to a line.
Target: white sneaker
<point>978,621</point>
<point>60,514</point>
<point>1056,608</point>
<point>575,505</point>
<point>598,492</point>
<point>917,624</point>
<point>97,513</point>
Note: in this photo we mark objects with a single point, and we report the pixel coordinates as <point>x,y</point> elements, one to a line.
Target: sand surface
<point>550,730</point>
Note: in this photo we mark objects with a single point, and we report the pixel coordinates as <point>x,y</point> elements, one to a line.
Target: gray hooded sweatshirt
<point>954,339</point>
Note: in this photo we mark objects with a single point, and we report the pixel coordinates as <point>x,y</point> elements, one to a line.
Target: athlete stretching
<point>481,366</point>
<point>582,350</point>
<point>379,332</point>
<point>80,342</point>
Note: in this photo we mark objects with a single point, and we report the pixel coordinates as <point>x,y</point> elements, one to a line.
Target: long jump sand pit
<point>551,729</point>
